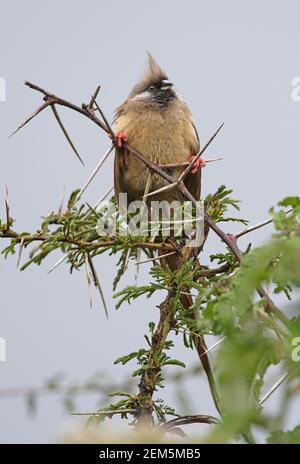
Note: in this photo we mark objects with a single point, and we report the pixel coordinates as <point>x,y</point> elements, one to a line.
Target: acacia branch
<point>80,244</point>
<point>249,229</point>
<point>186,420</point>
<point>65,132</point>
<point>86,111</point>
<point>148,379</point>
<point>54,99</point>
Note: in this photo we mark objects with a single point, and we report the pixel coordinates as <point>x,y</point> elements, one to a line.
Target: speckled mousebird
<point>155,121</point>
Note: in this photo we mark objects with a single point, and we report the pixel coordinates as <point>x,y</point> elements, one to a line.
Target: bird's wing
<point>120,111</point>
<point>119,173</point>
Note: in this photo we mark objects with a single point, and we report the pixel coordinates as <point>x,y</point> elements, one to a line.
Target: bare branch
<point>61,205</point>
<point>104,412</point>
<point>60,101</point>
<point>163,189</point>
<point>95,171</point>
<point>60,261</point>
<point>257,226</point>
<point>97,283</point>
<point>111,132</point>
<point>93,99</point>
<point>103,197</point>
<point>88,278</point>
<point>215,345</point>
<point>57,117</point>
<point>20,252</point>
<point>137,270</point>
<point>154,259</point>
<point>279,382</point>
<point>35,113</point>
<point>199,154</point>
<point>185,420</point>
<point>186,163</point>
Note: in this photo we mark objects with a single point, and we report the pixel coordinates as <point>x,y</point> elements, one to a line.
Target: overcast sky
<point>231,61</point>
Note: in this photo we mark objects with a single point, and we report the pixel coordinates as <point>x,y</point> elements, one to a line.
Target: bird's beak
<point>166,84</point>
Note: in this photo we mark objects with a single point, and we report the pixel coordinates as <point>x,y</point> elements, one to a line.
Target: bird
<point>155,121</point>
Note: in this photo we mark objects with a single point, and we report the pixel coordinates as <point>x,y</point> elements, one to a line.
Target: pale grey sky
<point>232,61</point>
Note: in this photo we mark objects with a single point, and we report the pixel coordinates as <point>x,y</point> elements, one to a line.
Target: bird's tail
<point>198,339</point>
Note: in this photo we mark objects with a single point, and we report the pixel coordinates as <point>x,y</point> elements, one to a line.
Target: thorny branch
<point>228,239</point>
<point>148,378</point>
<point>88,246</point>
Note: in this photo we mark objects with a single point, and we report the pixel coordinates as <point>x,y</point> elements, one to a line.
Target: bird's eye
<point>151,87</point>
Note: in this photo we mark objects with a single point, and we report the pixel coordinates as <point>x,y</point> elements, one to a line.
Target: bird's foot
<point>121,138</point>
<point>200,163</point>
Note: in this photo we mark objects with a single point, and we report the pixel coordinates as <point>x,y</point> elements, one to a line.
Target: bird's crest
<point>153,75</point>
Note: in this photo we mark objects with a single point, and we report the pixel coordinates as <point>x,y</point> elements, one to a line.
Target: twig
<point>215,345</point>
<point>20,252</point>
<point>199,154</point>
<point>92,101</point>
<point>185,420</point>
<point>61,205</point>
<point>111,132</point>
<point>137,269</point>
<point>51,98</point>
<point>60,261</point>
<point>217,270</point>
<point>127,259</point>
<point>196,334</point>
<point>95,171</point>
<point>279,382</point>
<point>138,254</point>
<point>154,259</point>
<point>160,190</point>
<point>35,113</point>
<point>186,163</point>
<point>257,226</point>
<point>7,213</point>
<point>88,278</point>
<point>148,184</point>
<point>103,197</point>
<point>89,246</point>
<point>57,117</point>
<point>109,411</point>
<point>92,211</point>
<point>97,283</point>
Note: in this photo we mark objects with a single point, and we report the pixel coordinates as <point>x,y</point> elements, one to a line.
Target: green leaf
<point>125,359</point>
<point>73,198</point>
<point>291,437</point>
<point>290,201</point>
<point>174,362</point>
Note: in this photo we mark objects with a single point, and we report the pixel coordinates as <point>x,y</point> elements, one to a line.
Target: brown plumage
<point>160,126</point>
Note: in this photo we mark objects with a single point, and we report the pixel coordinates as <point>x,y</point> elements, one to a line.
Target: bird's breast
<point>163,137</point>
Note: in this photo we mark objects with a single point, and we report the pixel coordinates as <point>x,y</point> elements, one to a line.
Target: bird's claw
<point>199,163</point>
<point>121,138</point>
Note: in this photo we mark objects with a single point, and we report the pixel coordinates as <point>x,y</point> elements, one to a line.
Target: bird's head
<point>154,87</point>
